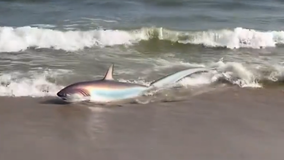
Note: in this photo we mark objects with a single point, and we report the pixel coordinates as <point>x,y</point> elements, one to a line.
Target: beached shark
<point>108,89</point>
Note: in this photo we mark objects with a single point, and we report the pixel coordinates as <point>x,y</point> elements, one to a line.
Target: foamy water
<point>32,84</point>
<point>143,39</point>
<point>21,38</point>
<point>47,45</point>
<point>41,84</point>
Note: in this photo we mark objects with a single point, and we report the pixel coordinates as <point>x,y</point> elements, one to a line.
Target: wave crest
<point>32,84</point>
<point>21,38</point>
<point>41,84</point>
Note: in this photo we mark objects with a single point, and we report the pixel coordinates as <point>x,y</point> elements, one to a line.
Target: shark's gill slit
<point>84,93</point>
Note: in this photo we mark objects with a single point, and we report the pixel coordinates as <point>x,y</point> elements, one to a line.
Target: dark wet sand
<point>234,124</point>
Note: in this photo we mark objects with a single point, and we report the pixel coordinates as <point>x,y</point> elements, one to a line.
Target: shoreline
<point>234,124</point>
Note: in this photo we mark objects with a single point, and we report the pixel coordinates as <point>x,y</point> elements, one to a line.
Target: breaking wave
<point>47,83</point>
<point>32,84</point>
<point>235,73</point>
<point>229,72</point>
<point>21,38</point>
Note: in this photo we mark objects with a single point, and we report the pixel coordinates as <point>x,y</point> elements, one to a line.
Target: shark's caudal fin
<point>173,78</point>
<point>109,73</point>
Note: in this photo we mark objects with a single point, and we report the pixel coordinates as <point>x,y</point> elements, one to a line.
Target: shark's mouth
<point>64,98</point>
<point>74,95</point>
<point>75,98</point>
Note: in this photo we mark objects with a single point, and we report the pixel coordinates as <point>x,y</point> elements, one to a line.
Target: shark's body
<point>110,90</point>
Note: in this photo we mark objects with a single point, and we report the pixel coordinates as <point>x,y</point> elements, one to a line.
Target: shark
<point>107,89</point>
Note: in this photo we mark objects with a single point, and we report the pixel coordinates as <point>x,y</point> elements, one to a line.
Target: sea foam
<point>41,83</point>
<point>21,38</point>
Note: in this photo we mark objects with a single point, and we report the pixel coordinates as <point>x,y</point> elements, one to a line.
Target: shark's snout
<point>61,94</point>
<point>73,94</point>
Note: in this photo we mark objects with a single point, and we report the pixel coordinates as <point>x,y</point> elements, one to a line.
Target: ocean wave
<point>235,73</point>
<point>22,38</point>
<point>226,72</point>
<point>32,84</point>
<point>46,83</point>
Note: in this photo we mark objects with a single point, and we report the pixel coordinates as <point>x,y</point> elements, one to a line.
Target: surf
<point>15,39</point>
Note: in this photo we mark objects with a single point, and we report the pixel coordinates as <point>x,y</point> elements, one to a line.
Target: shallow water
<point>46,45</point>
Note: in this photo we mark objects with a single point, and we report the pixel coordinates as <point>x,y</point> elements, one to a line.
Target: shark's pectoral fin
<point>109,73</point>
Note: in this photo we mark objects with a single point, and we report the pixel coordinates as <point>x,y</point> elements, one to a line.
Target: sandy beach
<point>233,124</point>
<point>232,112</point>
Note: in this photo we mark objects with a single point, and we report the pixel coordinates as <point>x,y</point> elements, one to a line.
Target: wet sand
<point>233,124</point>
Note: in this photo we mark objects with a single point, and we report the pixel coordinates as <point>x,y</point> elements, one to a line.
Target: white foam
<point>277,73</point>
<point>21,38</point>
<point>32,84</point>
<point>38,83</point>
<point>18,39</point>
<point>236,38</point>
<point>232,72</point>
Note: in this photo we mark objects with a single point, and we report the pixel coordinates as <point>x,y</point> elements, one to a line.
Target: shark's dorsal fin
<point>109,73</point>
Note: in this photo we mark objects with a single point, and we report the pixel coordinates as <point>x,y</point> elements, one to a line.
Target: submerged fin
<point>109,73</point>
<point>173,78</point>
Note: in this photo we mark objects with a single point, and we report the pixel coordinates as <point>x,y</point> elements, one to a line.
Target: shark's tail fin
<point>173,78</point>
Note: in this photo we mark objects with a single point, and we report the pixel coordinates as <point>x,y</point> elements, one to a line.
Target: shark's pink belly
<point>107,95</point>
